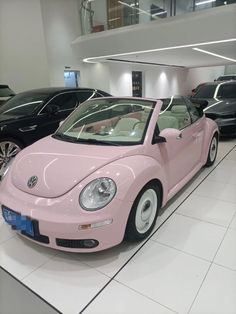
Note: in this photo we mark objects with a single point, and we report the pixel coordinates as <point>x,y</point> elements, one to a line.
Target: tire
<point>9,148</point>
<point>212,153</point>
<point>143,214</point>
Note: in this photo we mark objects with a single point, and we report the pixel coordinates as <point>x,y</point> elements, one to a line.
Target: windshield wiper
<point>94,141</point>
<point>64,137</point>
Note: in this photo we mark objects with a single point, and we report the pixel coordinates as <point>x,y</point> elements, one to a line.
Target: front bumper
<point>227,127</point>
<point>58,226</point>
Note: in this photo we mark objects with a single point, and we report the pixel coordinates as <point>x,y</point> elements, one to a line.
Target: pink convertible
<point>105,173</point>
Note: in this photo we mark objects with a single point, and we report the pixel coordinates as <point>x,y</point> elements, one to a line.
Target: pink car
<point>106,172</point>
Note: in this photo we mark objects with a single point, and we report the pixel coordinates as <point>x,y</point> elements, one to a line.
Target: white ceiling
<point>187,57</point>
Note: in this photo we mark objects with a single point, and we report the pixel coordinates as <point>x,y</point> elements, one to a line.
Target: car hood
<point>221,106</point>
<point>60,166</point>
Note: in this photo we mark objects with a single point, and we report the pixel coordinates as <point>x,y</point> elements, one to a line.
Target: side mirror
<point>170,133</point>
<point>52,109</point>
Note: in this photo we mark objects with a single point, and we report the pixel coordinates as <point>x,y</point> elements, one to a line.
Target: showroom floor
<point>188,265</point>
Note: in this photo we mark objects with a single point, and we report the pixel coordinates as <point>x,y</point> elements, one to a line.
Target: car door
<point>56,110</point>
<point>197,129</point>
<point>178,152</point>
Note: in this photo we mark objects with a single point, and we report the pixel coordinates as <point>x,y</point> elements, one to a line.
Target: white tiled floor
<point>187,266</point>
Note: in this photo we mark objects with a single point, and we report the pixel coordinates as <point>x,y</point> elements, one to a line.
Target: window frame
<point>40,113</point>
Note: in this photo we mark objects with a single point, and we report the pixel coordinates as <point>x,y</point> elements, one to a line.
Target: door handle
<point>28,128</point>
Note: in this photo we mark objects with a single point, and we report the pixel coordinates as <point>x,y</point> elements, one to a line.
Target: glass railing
<point>100,15</point>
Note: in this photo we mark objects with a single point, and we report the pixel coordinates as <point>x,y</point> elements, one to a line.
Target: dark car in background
<point>221,97</point>
<point>196,89</point>
<point>227,77</point>
<point>32,115</point>
<point>5,93</point>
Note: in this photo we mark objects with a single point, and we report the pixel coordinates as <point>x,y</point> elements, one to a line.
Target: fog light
<point>96,224</point>
<point>90,243</point>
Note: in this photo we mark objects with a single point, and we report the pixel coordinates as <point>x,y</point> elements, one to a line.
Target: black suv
<point>34,114</point>
<point>221,97</point>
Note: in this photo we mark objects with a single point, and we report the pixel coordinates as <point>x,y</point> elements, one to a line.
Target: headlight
<point>97,194</point>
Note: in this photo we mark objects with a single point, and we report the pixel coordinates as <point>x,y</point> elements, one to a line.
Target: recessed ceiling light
<point>214,54</point>
<point>93,59</point>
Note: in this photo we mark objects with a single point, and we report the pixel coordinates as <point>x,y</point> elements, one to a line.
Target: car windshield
<point>5,91</point>
<point>227,91</point>
<point>205,91</point>
<point>108,121</point>
<point>23,104</point>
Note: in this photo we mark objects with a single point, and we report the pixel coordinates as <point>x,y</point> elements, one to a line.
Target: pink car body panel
<point>54,201</point>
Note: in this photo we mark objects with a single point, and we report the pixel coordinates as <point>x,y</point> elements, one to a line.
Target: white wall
<point>230,69</point>
<point>23,59</point>
<point>201,75</point>
<point>116,78</point>
<point>96,75</point>
<point>61,27</point>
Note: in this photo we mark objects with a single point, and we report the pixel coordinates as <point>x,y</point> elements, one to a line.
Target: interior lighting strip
<point>214,54</point>
<point>93,59</point>
<point>204,2</point>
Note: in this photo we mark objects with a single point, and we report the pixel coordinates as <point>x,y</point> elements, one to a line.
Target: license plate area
<point>18,221</point>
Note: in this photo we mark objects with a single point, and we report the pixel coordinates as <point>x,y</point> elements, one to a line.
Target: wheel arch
<point>9,136</point>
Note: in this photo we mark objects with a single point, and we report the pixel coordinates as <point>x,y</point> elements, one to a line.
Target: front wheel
<point>143,214</point>
<point>212,151</point>
<point>9,148</point>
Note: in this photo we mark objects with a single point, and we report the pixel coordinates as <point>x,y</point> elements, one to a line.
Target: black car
<point>227,77</point>
<point>221,97</point>
<point>34,114</point>
<point>5,93</point>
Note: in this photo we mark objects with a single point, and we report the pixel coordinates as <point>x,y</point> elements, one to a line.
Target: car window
<point>226,78</point>
<point>66,101</point>
<point>174,114</point>
<point>227,91</point>
<point>194,113</point>
<point>108,122</point>
<point>84,95</point>
<point>24,104</point>
<point>205,91</point>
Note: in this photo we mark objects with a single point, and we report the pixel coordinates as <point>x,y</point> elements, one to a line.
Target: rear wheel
<point>212,151</point>
<point>9,148</point>
<point>143,214</point>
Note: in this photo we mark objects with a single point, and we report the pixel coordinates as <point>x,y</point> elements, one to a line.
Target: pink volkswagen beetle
<point>105,173</point>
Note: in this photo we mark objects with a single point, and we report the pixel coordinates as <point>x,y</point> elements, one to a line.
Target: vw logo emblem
<point>32,181</point>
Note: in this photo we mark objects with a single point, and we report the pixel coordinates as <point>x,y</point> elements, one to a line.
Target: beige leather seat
<point>181,114</point>
<point>125,126</point>
<point>165,122</point>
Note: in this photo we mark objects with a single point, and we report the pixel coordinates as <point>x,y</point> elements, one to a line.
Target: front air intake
<point>77,244</point>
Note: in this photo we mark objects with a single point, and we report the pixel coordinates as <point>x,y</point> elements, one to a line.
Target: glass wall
<point>100,15</point>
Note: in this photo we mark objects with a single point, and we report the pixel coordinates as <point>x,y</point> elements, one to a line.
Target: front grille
<point>77,243</point>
